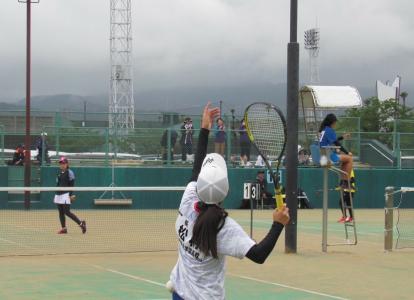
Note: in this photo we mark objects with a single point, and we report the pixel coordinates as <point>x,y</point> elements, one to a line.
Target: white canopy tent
<point>317,101</point>
<point>329,97</point>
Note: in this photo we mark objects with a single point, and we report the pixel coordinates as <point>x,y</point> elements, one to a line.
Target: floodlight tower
<point>312,45</point>
<point>121,99</point>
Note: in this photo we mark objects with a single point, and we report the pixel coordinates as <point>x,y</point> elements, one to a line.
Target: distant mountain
<point>185,100</point>
<point>190,100</point>
<point>10,106</point>
<point>63,102</point>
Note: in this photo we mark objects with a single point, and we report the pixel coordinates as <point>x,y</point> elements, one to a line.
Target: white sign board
<point>251,190</point>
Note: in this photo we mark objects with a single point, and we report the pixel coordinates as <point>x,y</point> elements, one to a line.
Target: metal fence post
<point>229,141</point>
<point>394,137</point>
<point>3,158</point>
<point>42,155</point>
<point>389,213</point>
<point>359,138</point>
<point>398,150</point>
<point>325,210</point>
<point>106,146</point>
<point>57,141</point>
<point>169,146</point>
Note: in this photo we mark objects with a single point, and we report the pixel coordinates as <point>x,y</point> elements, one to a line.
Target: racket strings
<point>267,128</point>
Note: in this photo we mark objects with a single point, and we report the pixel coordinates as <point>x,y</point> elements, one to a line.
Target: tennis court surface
<point>364,271</point>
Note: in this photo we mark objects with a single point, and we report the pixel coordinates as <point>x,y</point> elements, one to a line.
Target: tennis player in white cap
<point>206,234</point>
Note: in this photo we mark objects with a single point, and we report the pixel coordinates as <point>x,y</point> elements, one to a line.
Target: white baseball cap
<point>212,183</point>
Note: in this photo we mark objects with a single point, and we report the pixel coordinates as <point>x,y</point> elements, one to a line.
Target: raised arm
<point>206,122</point>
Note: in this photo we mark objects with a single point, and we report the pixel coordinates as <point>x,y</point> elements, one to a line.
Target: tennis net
<point>118,219</point>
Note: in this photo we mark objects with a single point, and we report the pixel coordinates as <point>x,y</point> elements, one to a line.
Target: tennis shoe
<point>349,219</point>
<point>83,226</point>
<point>341,220</point>
<point>62,231</point>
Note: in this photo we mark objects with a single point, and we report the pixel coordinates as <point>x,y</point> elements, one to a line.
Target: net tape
<point>146,225</point>
<point>93,189</point>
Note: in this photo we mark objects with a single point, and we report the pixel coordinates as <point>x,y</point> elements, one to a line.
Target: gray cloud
<point>204,43</point>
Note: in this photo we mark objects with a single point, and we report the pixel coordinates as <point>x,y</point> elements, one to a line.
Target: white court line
<point>129,275</point>
<point>8,241</point>
<point>318,228</point>
<point>46,233</point>
<point>20,244</point>
<point>287,286</point>
<point>337,230</point>
<point>243,277</point>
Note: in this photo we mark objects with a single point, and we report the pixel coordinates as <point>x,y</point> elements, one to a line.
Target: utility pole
<point>292,134</point>
<point>27,139</point>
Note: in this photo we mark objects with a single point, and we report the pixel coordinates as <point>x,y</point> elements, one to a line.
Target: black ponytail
<point>209,222</point>
<point>328,121</point>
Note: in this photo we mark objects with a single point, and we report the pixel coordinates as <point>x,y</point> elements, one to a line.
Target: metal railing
<point>145,145</point>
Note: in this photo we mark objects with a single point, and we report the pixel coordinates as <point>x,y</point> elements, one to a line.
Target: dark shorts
<point>245,149</point>
<point>175,296</point>
<point>335,158</point>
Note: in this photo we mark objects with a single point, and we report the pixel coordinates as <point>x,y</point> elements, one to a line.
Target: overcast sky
<point>179,43</point>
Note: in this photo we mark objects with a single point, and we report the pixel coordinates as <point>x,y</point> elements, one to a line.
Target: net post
<point>325,211</point>
<point>388,227</point>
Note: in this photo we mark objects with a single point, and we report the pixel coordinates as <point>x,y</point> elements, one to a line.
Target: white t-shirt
<point>196,276</point>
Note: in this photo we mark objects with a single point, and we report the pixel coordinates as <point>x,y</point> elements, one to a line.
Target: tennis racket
<point>266,129</point>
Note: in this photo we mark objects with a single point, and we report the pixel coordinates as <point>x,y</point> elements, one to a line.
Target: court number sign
<point>251,191</point>
<point>270,178</point>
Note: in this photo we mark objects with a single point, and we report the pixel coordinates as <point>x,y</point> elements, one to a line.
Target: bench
<point>119,202</point>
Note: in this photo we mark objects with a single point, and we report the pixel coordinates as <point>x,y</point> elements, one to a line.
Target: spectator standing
<point>244,145</point>
<point>42,145</point>
<point>220,138</point>
<point>186,138</point>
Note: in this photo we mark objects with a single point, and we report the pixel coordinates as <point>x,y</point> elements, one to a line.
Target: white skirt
<point>62,199</point>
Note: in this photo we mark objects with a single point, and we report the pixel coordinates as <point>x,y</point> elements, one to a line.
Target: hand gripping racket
<point>266,129</point>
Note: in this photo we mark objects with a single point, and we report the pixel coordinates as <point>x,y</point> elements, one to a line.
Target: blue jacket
<point>328,137</point>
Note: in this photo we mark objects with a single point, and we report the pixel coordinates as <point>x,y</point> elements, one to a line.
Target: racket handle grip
<point>279,201</point>
<point>279,197</point>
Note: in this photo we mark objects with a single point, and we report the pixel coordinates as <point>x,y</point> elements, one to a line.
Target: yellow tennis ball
<point>169,286</point>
